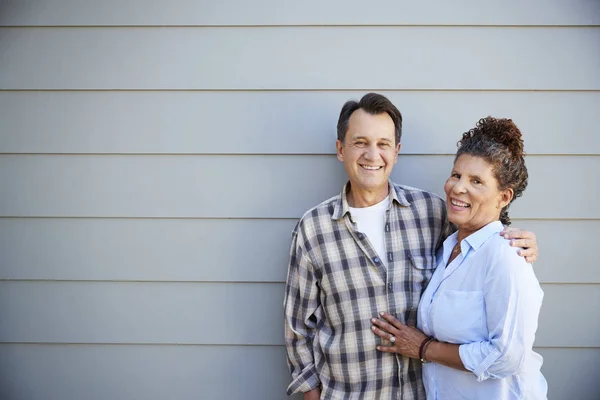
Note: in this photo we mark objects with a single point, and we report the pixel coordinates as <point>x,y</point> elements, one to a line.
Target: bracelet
<point>423,348</point>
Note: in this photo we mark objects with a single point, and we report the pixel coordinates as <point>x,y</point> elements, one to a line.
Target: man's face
<point>369,151</point>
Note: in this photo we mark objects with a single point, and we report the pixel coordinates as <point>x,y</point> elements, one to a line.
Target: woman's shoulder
<point>504,264</point>
<point>501,253</point>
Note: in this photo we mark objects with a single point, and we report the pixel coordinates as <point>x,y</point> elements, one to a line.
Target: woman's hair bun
<point>499,130</point>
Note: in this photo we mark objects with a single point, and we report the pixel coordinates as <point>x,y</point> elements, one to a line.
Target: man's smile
<point>371,167</point>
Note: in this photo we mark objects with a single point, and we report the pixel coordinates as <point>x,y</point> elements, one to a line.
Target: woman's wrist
<point>423,348</point>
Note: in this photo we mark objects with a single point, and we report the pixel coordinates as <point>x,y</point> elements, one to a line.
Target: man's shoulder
<point>319,214</point>
<point>413,194</point>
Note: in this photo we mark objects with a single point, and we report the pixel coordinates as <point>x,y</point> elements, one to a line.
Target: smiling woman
<point>478,316</point>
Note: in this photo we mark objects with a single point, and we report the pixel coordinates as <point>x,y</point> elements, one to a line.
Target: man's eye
<point>360,143</point>
<point>455,175</point>
<point>384,145</point>
<point>477,181</point>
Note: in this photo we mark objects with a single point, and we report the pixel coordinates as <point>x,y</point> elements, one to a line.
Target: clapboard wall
<point>154,157</point>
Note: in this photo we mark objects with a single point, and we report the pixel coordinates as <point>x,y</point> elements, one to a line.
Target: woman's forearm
<point>444,353</point>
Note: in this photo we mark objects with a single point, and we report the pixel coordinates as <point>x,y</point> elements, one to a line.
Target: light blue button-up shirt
<point>488,301</point>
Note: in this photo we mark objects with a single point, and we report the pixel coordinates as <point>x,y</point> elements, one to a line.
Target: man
<point>369,249</point>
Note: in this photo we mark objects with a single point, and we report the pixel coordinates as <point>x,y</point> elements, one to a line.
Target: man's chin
<point>370,186</point>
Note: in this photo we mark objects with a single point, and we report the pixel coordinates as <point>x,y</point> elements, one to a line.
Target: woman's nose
<point>459,187</point>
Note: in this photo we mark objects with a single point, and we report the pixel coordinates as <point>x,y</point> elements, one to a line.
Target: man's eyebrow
<point>358,137</point>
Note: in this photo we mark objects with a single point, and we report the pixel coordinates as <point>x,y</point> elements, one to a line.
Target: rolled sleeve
<point>304,382</point>
<point>477,358</point>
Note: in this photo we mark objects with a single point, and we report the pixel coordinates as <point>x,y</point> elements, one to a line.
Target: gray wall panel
<point>566,250</point>
<point>235,250</point>
<point>299,58</point>
<point>175,313</point>
<point>29,372</point>
<point>579,305</point>
<point>251,92</point>
<point>136,249</point>
<point>278,122</point>
<point>232,12</point>
<point>248,186</point>
<point>215,313</point>
<point>59,372</point>
<point>572,373</point>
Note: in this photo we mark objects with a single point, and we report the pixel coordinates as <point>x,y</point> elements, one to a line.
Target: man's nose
<point>371,153</point>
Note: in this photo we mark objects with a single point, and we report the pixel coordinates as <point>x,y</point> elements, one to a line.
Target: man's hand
<point>314,394</point>
<point>524,239</point>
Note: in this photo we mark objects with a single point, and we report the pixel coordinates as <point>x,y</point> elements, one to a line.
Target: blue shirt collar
<point>473,241</point>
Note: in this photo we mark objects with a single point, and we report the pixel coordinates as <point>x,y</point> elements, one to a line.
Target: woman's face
<point>472,195</point>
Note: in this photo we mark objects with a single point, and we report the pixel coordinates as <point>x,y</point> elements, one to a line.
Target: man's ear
<point>340,150</point>
<point>398,147</point>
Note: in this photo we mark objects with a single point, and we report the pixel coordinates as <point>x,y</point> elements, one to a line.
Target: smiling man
<point>369,249</point>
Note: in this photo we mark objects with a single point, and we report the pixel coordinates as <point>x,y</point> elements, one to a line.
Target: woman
<point>478,316</point>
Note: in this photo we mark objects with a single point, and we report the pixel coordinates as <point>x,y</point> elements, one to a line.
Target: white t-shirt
<point>371,222</point>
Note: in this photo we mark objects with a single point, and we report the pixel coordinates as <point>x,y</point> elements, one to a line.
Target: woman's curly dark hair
<point>500,143</point>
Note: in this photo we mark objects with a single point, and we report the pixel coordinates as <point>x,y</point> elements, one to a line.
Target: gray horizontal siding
<point>262,12</point>
<point>220,250</point>
<point>571,373</point>
<point>227,186</point>
<point>278,122</point>
<point>216,313</point>
<point>54,372</point>
<point>300,58</point>
<point>29,372</point>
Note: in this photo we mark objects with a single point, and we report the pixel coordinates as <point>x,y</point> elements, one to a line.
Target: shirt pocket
<point>421,270</point>
<point>459,316</point>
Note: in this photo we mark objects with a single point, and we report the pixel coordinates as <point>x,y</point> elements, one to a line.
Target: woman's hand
<point>406,340</point>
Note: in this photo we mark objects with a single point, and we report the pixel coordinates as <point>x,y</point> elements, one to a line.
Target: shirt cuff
<point>306,381</point>
<point>474,359</point>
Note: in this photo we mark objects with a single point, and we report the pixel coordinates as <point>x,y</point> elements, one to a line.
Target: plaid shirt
<point>336,283</point>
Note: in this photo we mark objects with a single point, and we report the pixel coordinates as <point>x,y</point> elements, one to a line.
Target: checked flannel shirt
<point>336,283</point>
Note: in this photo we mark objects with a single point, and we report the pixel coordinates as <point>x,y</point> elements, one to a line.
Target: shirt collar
<point>341,206</point>
<point>474,240</point>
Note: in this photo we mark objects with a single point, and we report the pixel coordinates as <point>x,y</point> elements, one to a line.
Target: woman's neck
<point>466,231</point>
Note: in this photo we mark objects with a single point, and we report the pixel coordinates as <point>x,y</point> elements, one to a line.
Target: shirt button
<point>390,286</point>
<point>376,260</point>
<point>361,236</point>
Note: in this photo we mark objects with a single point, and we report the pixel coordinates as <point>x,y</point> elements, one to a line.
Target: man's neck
<point>361,199</point>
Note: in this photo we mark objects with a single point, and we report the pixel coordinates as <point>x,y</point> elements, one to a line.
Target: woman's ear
<point>505,198</point>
